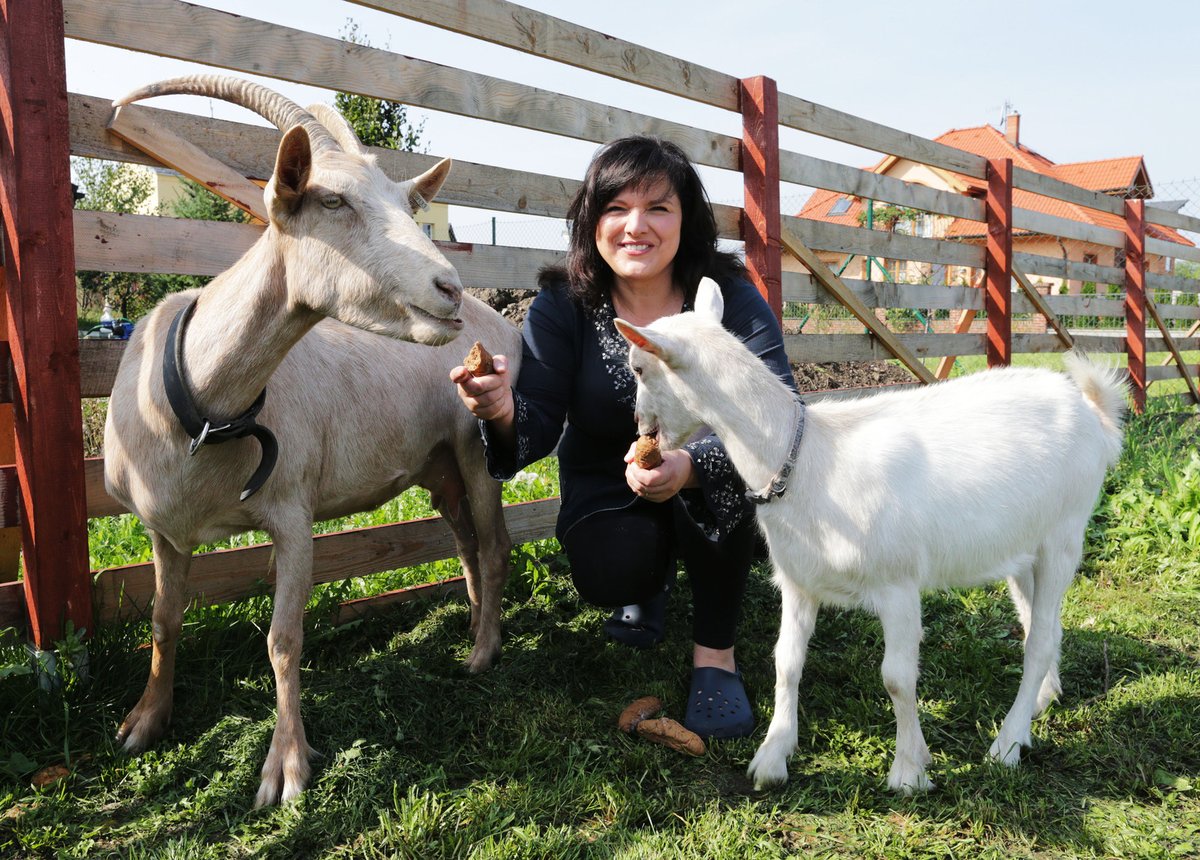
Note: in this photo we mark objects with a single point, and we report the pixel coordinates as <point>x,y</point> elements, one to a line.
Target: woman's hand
<point>489,397</point>
<point>665,480</point>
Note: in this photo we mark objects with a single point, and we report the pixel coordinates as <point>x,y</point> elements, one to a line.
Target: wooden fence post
<point>1135,299</point>
<point>997,300</point>
<point>10,535</point>
<point>759,99</point>
<point>39,261</point>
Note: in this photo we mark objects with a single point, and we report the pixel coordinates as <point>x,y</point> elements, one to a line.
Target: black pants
<point>623,557</point>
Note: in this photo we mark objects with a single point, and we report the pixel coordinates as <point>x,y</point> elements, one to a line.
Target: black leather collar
<point>201,429</point>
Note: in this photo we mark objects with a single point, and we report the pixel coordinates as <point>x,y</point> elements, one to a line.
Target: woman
<point>643,236</point>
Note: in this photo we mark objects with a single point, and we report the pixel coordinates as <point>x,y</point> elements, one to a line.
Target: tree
<point>377,122</point>
<point>110,187</point>
<point>128,188</point>
<point>200,204</point>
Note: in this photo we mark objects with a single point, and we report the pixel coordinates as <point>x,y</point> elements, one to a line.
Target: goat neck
<point>241,330</point>
<point>746,405</point>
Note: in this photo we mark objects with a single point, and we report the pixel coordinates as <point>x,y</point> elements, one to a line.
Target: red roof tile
<point>989,142</point>
<point>1111,174</point>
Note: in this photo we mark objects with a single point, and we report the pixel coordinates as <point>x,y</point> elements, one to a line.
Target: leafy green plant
<point>377,122</point>
<point>886,217</point>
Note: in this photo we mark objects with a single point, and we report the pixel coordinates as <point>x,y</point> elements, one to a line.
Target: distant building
<point>1119,177</point>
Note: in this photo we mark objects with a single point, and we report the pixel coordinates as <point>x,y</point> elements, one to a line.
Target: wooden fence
<point>51,489</point>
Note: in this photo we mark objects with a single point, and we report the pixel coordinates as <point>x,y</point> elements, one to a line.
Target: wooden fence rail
<point>38,283</point>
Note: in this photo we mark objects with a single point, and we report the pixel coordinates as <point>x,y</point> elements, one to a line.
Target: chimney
<point>1012,128</point>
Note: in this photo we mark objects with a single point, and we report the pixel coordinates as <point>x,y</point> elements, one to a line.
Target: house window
<point>840,206</point>
<point>1119,258</point>
<point>428,228</point>
<point>1092,259</point>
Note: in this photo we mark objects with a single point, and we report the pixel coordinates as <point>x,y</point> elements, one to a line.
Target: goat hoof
<point>481,659</point>
<point>768,769</point>
<point>284,775</point>
<point>909,781</point>
<point>141,728</point>
<point>1006,753</point>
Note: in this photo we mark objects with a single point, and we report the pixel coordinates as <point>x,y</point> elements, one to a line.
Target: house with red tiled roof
<point>1120,177</point>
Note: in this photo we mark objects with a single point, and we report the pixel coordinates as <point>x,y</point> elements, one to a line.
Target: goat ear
<point>643,340</point>
<point>425,187</point>
<point>293,167</point>
<point>709,300</point>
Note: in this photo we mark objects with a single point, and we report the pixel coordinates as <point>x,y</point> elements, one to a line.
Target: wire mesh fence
<point>546,233</point>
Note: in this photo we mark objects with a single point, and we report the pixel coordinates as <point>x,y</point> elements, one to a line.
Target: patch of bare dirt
<point>848,374</point>
<point>513,305</point>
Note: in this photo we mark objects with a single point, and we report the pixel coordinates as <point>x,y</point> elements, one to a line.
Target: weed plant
<point>420,760</point>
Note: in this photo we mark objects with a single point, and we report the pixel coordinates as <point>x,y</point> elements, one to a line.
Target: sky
<point>1091,79</point>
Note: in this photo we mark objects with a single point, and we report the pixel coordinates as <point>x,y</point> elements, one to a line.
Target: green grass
<point>419,760</point>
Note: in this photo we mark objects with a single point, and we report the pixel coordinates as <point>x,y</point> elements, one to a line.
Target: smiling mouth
<point>420,313</point>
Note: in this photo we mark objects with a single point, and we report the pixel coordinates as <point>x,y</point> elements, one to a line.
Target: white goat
<point>992,476</point>
<point>358,417</point>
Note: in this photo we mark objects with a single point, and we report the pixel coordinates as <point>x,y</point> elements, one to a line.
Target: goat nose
<point>450,287</point>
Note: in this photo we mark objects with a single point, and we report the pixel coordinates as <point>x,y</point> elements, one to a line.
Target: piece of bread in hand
<point>646,453</point>
<point>479,361</point>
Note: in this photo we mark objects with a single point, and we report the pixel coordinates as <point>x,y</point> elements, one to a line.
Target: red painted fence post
<point>998,261</point>
<point>1135,299</point>
<point>759,99</point>
<point>39,262</point>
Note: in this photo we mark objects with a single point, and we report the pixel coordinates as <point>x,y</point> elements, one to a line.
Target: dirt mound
<point>848,374</point>
<point>513,305</point>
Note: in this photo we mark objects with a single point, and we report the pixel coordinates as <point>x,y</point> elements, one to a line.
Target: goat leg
<point>286,770</point>
<point>900,614</point>
<point>491,548</point>
<point>1054,568</point>
<point>769,766</point>
<point>148,720</point>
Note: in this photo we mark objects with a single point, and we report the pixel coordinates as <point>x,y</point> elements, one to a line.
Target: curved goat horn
<point>270,105</point>
<point>337,126</point>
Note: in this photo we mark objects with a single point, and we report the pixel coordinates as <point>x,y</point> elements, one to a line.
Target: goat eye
<point>332,201</point>
<point>637,371</point>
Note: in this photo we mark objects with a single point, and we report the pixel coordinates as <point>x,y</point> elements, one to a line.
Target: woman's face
<point>638,234</point>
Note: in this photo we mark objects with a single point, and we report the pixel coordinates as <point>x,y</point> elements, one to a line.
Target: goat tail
<point>1103,389</point>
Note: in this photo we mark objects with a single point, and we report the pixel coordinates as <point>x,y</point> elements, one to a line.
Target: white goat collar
<point>779,482</point>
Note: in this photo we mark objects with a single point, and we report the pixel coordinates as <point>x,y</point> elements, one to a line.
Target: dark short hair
<point>639,162</point>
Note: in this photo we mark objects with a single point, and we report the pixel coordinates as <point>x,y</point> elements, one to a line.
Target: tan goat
<point>358,418</point>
